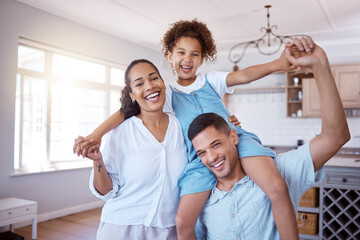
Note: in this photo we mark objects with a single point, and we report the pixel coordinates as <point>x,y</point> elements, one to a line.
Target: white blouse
<point>144,173</point>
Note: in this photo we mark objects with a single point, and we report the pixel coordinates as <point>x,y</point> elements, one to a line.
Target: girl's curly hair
<point>193,29</point>
<point>128,107</point>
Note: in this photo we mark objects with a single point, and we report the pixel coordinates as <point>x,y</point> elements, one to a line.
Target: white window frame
<point>107,87</point>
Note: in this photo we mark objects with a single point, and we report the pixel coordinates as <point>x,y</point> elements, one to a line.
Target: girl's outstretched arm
<point>189,210</point>
<point>81,145</point>
<point>256,72</point>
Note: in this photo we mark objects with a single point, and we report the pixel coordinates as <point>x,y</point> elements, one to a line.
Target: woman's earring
<point>173,68</point>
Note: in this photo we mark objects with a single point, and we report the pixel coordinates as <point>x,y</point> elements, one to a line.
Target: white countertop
<point>344,161</point>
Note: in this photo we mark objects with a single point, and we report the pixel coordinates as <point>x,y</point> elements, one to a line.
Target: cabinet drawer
<point>17,212</point>
<point>310,198</point>
<point>342,179</point>
<point>308,223</point>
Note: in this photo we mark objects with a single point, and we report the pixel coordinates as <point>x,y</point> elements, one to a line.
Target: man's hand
<point>304,53</point>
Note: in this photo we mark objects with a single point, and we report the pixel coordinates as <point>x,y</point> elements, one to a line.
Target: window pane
<point>117,77</point>
<point>76,68</point>
<point>74,111</point>
<point>17,122</point>
<point>34,123</point>
<point>50,113</point>
<point>115,103</point>
<point>30,58</point>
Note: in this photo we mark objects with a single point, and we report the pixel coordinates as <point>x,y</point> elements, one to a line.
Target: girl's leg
<point>189,209</point>
<point>262,170</point>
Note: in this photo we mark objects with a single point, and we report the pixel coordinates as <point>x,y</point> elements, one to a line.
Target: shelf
<point>307,236</point>
<point>263,89</point>
<point>300,75</point>
<point>296,101</point>
<point>293,86</point>
<point>294,93</point>
<point>309,210</point>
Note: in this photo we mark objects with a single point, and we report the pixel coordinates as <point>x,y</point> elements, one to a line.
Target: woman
<point>138,171</point>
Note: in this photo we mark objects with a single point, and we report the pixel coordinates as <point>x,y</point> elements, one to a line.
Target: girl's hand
<point>232,119</point>
<point>81,144</point>
<point>283,64</point>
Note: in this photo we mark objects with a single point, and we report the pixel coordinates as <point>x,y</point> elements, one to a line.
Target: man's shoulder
<point>297,169</point>
<point>297,157</point>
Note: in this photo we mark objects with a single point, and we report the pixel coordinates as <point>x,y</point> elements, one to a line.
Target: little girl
<point>186,45</point>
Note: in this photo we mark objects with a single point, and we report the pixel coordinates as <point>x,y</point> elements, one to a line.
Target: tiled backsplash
<point>265,115</point>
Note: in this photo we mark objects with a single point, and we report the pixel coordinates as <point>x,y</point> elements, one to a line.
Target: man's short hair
<point>206,120</point>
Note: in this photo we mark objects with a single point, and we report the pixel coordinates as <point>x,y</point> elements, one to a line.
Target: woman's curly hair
<point>128,107</point>
<point>193,29</point>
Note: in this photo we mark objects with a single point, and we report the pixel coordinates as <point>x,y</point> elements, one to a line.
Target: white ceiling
<point>231,21</point>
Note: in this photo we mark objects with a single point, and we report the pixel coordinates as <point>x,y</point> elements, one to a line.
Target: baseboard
<point>70,210</point>
<point>58,213</point>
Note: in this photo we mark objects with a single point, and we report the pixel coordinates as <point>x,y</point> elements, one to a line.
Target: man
<point>237,208</point>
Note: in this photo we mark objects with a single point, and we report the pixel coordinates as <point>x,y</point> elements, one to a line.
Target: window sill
<point>24,172</point>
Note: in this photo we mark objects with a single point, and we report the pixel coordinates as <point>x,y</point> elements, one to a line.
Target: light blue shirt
<point>191,101</point>
<point>245,211</point>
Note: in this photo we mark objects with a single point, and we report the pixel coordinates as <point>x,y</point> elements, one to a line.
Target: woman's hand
<point>82,144</point>
<point>232,119</point>
<point>91,149</point>
<point>94,153</point>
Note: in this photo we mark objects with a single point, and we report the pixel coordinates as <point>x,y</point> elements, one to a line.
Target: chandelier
<point>237,51</point>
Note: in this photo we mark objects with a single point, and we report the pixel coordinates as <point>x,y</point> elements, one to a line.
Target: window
<point>59,94</point>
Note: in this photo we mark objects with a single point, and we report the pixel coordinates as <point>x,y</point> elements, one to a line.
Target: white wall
<point>265,115</point>
<point>58,190</point>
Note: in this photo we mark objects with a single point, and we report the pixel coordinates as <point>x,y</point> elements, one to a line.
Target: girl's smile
<point>186,59</point>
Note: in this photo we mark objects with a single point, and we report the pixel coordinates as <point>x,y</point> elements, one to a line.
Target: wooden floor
<point>73,227</point>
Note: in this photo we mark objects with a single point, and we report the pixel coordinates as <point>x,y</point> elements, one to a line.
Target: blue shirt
<point>245,211</point>
<point>187,106</point>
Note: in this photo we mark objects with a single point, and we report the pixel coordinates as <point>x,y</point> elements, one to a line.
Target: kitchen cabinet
<point>339,201</point>
<point>308,214</point>
<point>294,93</point>
<point>347,79</point>
<point>311,99</point>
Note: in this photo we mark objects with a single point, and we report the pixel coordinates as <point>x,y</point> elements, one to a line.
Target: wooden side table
<point>15,210</point>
